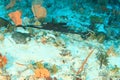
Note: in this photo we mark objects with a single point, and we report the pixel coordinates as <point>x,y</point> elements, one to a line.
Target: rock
<point>19,37</point>
<point>3,22</point>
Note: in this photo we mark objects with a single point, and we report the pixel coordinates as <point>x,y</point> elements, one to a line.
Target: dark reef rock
<point>20,38</point>
<point>4,22</point>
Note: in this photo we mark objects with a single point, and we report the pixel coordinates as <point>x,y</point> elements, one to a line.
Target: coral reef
<point>49,40</point>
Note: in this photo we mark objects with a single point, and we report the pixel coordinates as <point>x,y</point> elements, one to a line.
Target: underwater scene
<point>59,39</point>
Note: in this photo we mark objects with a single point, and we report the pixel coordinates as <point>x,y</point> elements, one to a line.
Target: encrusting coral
<point>41,73</point>
<point>3,61</point>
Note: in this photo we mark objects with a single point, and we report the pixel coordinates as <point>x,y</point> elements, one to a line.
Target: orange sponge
<point>3,61</point>
<point>39,11</point>
<point>42,73</point>
<point>16,17</point>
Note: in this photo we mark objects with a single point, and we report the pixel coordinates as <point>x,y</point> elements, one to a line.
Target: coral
<point>102,57</point>
<point>65,53</point>
<point>44,40</point>
<point>39,65</point>
<point>111,51</point>
<point>101,37</point>
<point>54,69</point>
<point>91,35</point>
<point>1,37</point>
<point>115,69</point>
<point>39,11</point>
<point>37,23</point>
<point>85,61</point>
<point>42,73</point>
<point>16,17</point>
<point>3,61</point>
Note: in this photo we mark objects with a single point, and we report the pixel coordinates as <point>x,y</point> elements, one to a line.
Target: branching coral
<point>110,51</point>
<point>102,57</point>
